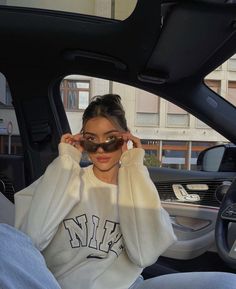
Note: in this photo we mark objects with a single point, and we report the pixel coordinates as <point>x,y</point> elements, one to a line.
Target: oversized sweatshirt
<point>94,235</point>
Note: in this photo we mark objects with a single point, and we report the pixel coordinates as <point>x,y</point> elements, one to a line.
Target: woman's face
<point>100,130</point>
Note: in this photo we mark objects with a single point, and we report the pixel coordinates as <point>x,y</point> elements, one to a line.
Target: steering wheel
<point>226,215</point>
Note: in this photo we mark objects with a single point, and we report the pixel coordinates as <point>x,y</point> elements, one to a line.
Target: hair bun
<point>109,106</point>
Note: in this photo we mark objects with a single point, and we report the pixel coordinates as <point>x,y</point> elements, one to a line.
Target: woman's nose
<point>100,150</point>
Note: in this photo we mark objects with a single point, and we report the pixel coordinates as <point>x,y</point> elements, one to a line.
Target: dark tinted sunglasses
<point>108,146</point>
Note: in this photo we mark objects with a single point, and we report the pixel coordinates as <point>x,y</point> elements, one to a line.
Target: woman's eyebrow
<point>105,133</point>
<point>111,131</point>
<point>90,133</point>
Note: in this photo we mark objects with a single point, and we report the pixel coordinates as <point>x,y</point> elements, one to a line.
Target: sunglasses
<point>108,146</point>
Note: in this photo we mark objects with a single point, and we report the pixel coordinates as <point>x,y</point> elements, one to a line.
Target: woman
<point>99,226</point>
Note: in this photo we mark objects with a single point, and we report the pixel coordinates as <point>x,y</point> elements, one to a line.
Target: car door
<point>191,199</point>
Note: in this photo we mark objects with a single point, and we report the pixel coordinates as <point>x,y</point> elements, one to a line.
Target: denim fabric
<point>195,280</point>
<point>21,265</point>
<point>137,282</point>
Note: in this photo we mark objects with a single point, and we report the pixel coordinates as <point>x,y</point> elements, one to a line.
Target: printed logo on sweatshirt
<point>79,235</point>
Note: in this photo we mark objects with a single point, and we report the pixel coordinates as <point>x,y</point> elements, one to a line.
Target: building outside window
<point>5,94</point>
<point>231,97</point>
<point>173,154</point>
<point>232,63</point>
<point>147,112</point>
<point>16,145</point>
<point>215,85</point>
<point>75,94</point>
<point>176,116</point>
<point>8,144</point>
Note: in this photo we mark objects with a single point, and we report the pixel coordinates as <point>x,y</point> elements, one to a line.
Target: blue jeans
<point>193,280</point>
<point>23,267</point>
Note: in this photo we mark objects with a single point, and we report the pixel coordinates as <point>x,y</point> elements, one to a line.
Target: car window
<point>223,80</point>
<point>165,129</point>
<point>171,137</point>
<point>119,9</point>
<point>10,142</point>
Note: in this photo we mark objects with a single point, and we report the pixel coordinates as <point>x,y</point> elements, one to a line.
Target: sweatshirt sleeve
<point>40,208</point>
<point>145,225</point>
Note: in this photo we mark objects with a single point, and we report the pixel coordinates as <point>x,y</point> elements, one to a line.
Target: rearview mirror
<point>221,158</point>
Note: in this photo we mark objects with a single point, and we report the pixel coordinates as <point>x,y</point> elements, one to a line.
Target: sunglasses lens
<point>89,146</point>
<point>113,145</point>
<point>110,146</point>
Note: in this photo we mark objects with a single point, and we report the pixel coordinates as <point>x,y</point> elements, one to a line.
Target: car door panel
<point>194,229</point>
<point>190,199</point>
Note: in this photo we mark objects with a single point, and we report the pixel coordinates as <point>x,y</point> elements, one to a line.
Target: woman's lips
<point>103,159</point>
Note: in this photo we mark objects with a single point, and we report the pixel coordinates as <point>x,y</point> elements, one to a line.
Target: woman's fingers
<point>129,137</point>
<point>73,140</point>
<point>66,138</point>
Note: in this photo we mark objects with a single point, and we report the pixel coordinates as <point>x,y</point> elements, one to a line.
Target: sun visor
<point>183,47</point>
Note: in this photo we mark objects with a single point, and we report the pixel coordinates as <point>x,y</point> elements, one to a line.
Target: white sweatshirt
<point>92,234</point>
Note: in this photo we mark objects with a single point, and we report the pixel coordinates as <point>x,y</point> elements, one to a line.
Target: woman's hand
<point>73,140</point>
<point>129,137</point>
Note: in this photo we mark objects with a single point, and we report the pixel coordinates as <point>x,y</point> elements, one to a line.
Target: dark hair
<point>108,106</point>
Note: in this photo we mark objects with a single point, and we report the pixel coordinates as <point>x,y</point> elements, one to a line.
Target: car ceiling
<point>168,49</point>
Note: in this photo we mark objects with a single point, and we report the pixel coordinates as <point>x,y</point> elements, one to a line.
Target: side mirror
<point>221,158</point>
